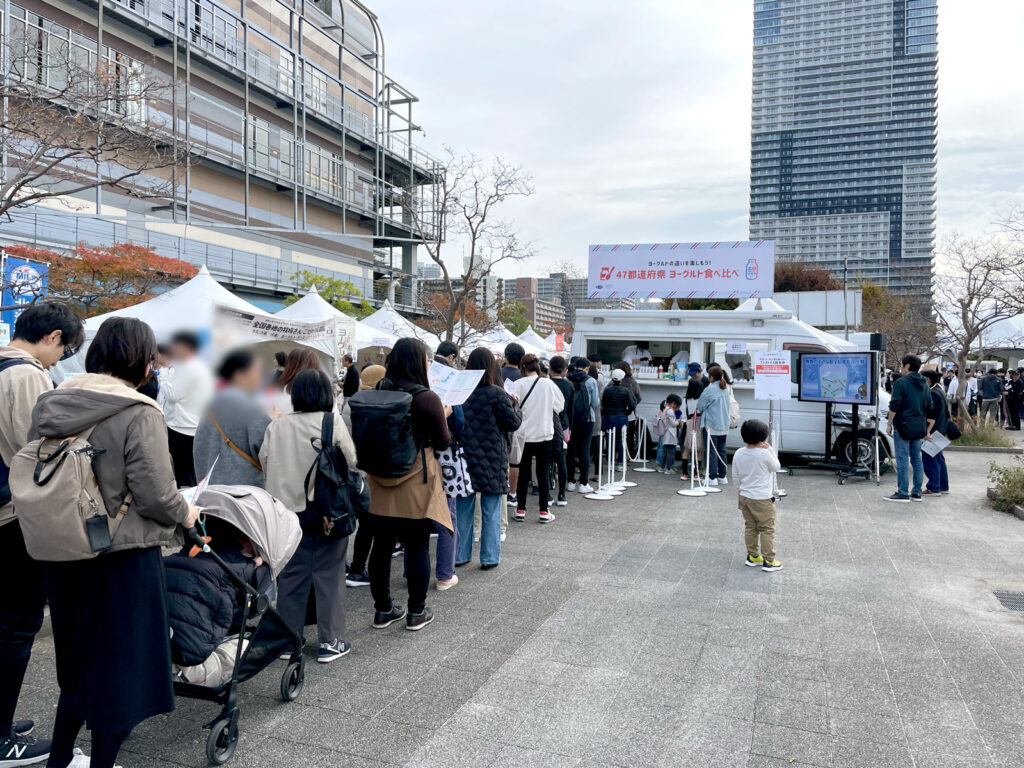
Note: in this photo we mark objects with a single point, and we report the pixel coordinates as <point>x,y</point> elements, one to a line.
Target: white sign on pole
<point>453,386</point>
<point>772,375</point>
<point>725,270</point>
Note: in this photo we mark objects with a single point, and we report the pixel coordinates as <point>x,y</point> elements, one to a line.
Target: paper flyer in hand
<point>453,386</point>
<point>191,494</point>
<point>934,446</point>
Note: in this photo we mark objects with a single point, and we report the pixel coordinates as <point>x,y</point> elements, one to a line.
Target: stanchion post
<point>609,484</point>
<point>643,450</point>
<point>708,487</point>
<point>598,494</point>
<point>624,483</point>
<point>692,491</point>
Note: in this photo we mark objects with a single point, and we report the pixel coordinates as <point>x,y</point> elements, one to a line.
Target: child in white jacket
<point>673,417</point>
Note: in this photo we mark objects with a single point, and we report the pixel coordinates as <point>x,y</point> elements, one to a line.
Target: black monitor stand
<point>842,469</point>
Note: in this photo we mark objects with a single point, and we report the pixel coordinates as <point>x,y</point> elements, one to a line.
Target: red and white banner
<point>711,270</point>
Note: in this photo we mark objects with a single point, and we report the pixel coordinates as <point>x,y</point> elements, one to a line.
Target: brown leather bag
<point>234,447</point>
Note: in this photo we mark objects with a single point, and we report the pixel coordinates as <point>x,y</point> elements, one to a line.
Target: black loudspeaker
<point>878,342</point>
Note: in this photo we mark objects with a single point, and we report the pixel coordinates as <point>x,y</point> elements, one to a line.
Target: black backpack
<point>340,495</point>
<point>382,431</point>
<point>579,407</point>
<point>5,471</point>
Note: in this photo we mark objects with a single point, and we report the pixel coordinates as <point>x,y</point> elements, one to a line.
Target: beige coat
<point>20,387</point>
<point>409,496</point>
<point>287,454</point>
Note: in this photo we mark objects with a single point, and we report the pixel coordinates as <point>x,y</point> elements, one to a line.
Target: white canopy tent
<point>312,308</point>
<point>189,307</point>
<point>388,320</point>
<point>501,334</point>
<point>534,339</point>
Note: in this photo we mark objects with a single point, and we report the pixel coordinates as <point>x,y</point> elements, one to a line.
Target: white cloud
<point>634,118</point>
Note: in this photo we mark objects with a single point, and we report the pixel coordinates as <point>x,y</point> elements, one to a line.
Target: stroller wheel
<point>292,681</point>
<point>222,741</point>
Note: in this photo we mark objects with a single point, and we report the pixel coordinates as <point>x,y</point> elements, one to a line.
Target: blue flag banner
<point>23,282</point>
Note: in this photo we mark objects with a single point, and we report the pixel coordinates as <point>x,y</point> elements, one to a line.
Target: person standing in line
<point>350,385</point>
<point>633,427</point>
<point>583,414</point>
<point>602,382</point>
<point>288,452</point>
<point>690,427</point>
<point>674,417</point>
<point>540,401</point>
<point>447,536</point>
<point>186,399</point>
<point>713,409</point>
<point>558,442</point>
<point>1014,396</point>
<point>910,419</point>
<point>490,418</point>
<point>991,390</point>
<point>935,466</point>
<point>358,576</point>
<point>753,468</point>
<point>617,403</point>
<point>510,372</point>
<point>232,429</point>
<point>447,353</point>
<point>405,508</point>
<point>111,636</point>
<point>44,333</point>
<point>299,359</point>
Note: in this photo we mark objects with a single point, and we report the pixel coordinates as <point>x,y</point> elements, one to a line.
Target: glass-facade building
<point>843,136</point>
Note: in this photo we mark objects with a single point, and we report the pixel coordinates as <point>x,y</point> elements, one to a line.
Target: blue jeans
<point>447,542</point>
<point>661,448</point>
<point>490,528</point>
<point>619,423</point>
<point>935,471</point>
<point>717,462</point>
<point>908,456</point>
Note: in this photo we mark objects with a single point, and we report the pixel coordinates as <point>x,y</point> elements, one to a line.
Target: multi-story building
<point>843,139</point>
<point>568,292</point>
<point>545,316</point>
<point>301,146</point>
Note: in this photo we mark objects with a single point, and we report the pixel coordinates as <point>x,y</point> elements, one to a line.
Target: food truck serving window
<point>736,356</point>
<point>660,351</point>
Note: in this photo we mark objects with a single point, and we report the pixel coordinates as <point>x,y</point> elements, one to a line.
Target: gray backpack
<point>58,501</point>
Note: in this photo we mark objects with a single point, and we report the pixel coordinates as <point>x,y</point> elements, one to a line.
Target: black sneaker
<point>382,620</point>
<point>487,566</point>
<point>414,622</point>
<point>20,749</point>
<point>511,500</point>
<point>916,497</point>
<point>23,727</point>
<point>399,549</point>
<point>328,652</point>
<point>357,580</point>
<point>899,498</point>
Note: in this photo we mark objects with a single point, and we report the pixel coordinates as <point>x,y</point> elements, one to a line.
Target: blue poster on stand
<point>843,378</point>
<point>23,282</point>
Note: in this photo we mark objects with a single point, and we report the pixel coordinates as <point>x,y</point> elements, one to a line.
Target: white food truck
<point>703,336</point>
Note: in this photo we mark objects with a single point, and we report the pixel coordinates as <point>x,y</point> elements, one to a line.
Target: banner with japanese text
<point>24,281</point>
<point>710,270</point>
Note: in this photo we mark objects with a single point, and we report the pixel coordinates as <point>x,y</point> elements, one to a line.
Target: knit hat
<point>693,368</point>
<point>618,374</point>
<point>369,378</point>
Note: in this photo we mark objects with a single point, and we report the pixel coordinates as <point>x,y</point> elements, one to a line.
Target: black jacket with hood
<point>912,403</point>
<point>130,429</point>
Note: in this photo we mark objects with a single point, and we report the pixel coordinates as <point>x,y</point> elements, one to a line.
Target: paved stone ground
<point>629,633</point>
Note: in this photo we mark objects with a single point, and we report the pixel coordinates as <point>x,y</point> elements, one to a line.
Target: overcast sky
<point>634,117</point>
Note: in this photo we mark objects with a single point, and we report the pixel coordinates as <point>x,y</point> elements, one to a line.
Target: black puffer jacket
<point>201,603</point>
<point>617,400</point>
<point>489,418</point>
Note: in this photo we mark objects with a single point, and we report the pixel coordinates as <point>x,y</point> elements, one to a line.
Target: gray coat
<point>244,421</point>
<point>130,430</point>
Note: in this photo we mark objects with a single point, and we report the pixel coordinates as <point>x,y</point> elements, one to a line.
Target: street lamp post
<point>846,310</point>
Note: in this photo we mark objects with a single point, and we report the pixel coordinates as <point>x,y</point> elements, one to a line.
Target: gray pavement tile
<point>763,761</point>
<point>854,724</point>
<point>791,713</point>
<point>446,749</point>
<point>517,757</point>
<point>950,761</point>
<point>791,744</point>
<point>935,738</point>
<point>382,739</point>
<point>780,666</point>
<point>564,734</point>
<point>281,753</point>
<point>856,753</point>
<point>813,691</point>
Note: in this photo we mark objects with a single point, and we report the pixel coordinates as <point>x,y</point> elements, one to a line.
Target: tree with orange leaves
<point>98,279</point>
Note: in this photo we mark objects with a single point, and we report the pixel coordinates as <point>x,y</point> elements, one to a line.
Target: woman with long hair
<point>713,408</point>
<point>490,417</point>
<point>539,401</point>
<point>633,429</point>
<point>109,614</point>
<point>406,508</point>
<point>299,359</point>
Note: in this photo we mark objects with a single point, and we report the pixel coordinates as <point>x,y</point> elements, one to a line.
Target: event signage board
<point>23,282</point>
<point>772,375</point>
<point>452,385</point>
<point>843,378</point>
<point>273,327</point>
<point>345,337</point>
<point>722,270</point>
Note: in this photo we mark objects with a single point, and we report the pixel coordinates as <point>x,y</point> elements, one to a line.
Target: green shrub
<point>1009,484</point>
<point>985,436</point>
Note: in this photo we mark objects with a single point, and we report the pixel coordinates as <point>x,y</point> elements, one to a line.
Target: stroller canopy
<point>273,528</point>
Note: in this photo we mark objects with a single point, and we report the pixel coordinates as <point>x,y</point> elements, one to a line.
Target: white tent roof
<point>501,334</point>
<point>188,307</point>
<point>387,319</point>
<point>312,308</point>
<point>534,339</point>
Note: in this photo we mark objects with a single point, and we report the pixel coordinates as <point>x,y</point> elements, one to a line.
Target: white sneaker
<point>443,585</point>
<point>712,482</point>
<point>570,487</point>
<point>561,503</point>
<point>476,539</point>
<point>585,488</point>
<point>81,760</point>
<point>723,481</point>
<point>502,537</point>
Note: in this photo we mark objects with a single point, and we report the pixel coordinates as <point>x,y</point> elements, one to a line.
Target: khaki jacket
<point>130,429</point>
<point>20,387</point>
<point>409,496</point>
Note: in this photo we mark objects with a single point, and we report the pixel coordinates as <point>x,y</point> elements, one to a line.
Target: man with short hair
<point>559,367</point>
<point>447,353</point>
<point>991,390</point>
<point>513,357</point>
<point>44,333</point>
<point>188,393</point>
<point>1014,396</point>
<point>351,383</point>
<point>911,418</point>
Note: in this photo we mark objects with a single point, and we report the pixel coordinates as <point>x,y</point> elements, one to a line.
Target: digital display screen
<point>843,378</point>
